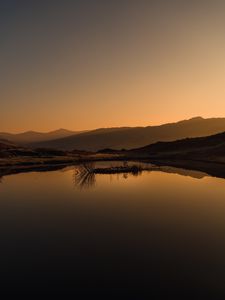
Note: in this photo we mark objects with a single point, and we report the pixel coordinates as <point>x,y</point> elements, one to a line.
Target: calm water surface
<point>163,231</point>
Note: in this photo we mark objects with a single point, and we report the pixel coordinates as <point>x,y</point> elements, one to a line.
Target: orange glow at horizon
<point>137,64</point>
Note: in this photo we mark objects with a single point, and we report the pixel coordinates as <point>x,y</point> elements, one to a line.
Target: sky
<point>98,63</point>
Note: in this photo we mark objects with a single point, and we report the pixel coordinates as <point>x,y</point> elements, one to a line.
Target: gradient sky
<point>98,63</point>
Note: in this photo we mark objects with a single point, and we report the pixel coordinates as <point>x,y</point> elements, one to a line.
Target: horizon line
<point>108,127</point>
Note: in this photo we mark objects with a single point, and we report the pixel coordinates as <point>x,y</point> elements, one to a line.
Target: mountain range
<point>210,148</point>
<point>34,137</point>
<point>134,137</point>
<point>118,137</point>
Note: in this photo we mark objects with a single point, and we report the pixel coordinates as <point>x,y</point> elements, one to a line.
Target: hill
<point>33,136</point>
<point>9,149</point>
<point>210,149</point>
<point>134,137</point>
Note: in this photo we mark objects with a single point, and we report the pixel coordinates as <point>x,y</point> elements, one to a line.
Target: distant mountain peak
<point>62,130</point>
<point>198,118</point>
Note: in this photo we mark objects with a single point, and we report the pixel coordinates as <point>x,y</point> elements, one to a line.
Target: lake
<point>161,231</point>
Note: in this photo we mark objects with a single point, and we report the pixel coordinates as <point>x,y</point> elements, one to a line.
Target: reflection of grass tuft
<point>84,176</point>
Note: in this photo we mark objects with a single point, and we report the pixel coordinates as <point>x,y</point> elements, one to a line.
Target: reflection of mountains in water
<point>183,172</point>
<point>84,178</point>
<point>85,175</point>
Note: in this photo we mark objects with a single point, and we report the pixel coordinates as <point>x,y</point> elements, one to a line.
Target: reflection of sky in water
<point>144,225</point>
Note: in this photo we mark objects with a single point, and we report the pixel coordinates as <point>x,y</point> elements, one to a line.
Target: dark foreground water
<point>160,233</point>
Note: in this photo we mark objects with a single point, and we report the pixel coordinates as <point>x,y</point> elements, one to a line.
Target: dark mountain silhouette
<point>33,136</point>
<point>134,137</point>
<point>210,149</point>
<point>9,149</point>
<point>5,144</point>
